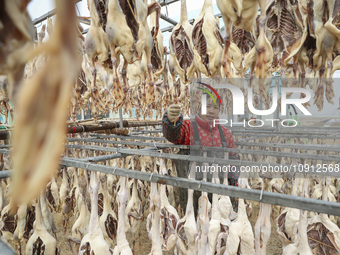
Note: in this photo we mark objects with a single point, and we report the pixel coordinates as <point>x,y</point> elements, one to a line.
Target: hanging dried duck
<point>129,34</point>
<point>322,18</point>
<point>16,39</point>
<point>207,41</point>
<point>43,102</point>
<point>181,59</point>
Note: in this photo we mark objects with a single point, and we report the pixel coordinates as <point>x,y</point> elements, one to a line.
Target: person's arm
<point>230,143</point>
<point>177,134</point>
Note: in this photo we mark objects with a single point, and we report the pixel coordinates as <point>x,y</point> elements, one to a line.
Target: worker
<point>200,131</point>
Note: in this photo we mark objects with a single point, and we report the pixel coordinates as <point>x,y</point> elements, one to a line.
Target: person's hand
<point>174,111</point>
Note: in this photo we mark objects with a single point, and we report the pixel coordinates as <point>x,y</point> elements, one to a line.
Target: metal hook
<point>214,160</point>
<point>261,194</point>
<point>199,185</point>
<point>87,165</point>
<point>151,176</point>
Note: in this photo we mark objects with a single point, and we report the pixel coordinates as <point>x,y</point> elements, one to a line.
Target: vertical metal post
<point>277,112</point>
<point>82,115</point>
<point>120,117</point>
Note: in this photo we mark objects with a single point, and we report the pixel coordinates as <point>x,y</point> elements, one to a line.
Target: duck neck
<point>207,5</point>
<point>184,11</point>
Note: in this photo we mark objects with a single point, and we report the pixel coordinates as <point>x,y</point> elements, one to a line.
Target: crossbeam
<point>291,201</point>
<point>218,149</point>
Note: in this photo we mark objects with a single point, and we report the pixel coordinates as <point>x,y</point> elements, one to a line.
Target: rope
<point>133,13</point>
<point>332,247</point>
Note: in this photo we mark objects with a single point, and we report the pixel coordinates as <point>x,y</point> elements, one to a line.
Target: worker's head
<point>212,110</point>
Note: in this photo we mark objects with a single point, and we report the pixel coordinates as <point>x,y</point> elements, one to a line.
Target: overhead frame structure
<point>315,205</point>
<point>218,149</point>
<point>249,194</point>
<point>155,147</point>
<point>87,22</point>
<point>6,249</point>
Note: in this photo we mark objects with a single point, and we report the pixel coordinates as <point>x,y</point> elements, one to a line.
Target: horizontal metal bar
<point>85,31</point>
<point>170,20</point>
<point>220,149</point>
<point>6,249</point>
<point>5,151</point>
<point>331,137</point>
<point>300,132</point>
<point>146,132</point>
<point>170,28</point>
<point>248,194</point>
<point>241,142</point>
<point>47,15</point>
<point>130,137</point>
<point>84,21</point>
<point>102,158</point>
<point>210,160</point>
<point>325,147</point>
<point>111,156</point>
<point>167,29</point>
<point>167,2</point>
<point>5,174</point>
<point>44,16</point>
<point>159,145</point>
<point>248,139</point>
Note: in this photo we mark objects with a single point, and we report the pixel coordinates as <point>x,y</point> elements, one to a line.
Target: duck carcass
<point>41,242</point>
<point>181,59</point>
<point>207,42</point>
<point>43,101</point>
<point>186,228</point>
<point>169,216</point>
<point>93,242</point>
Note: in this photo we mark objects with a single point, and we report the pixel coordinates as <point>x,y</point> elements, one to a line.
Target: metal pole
<point>288,173</point>
<point>120,117</point>
<point>302,203</point>
<point>5,174</point>
<point>6,249</point>
<point>242,142</point>
<point>331,137</point>
<point>171,21</point>
<point>220,149</point>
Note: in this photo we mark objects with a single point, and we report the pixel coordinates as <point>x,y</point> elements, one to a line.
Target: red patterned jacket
<point>183,133</point>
